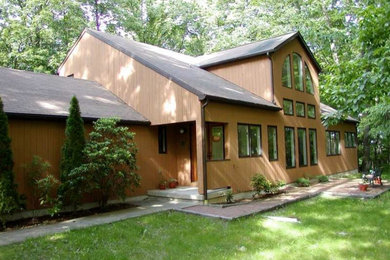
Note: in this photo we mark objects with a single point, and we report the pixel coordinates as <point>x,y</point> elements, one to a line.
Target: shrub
<point>110,164</point>
<point>303,182</point>
<point>47,187</point>
<point>229,196</point>
<point>9,198</point>
<point>261,184</point>
<point>72,156</point>
<point>35,170</point>
<point>323,178</point>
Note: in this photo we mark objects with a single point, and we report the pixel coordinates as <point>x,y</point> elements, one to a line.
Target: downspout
<point>272,77</point>
<point>204,148</point>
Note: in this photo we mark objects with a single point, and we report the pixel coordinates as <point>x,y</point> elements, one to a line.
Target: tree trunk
<point>366,149</point>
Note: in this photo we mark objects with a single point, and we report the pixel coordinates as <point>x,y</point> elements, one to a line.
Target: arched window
<point>308,81</point>
<point>286,73</point>
<point>298,72</point>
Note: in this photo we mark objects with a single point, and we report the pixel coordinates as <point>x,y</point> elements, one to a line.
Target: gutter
<point>204,148</point>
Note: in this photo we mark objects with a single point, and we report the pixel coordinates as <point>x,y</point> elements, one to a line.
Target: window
<point>300,109</point>
<point>332,143</point>
<point>302,147</point>
<point>313,146</point>
<point>297,70</point>
<point>249,140</point>
<point>290,146</point>
<point>162,139</point>
<point>286,73</point>
<point>215,141</point>
<point>350,139</point>
<point>308,81</point>
<point>311,111</point>
<point>288,107</point>
<point>272,143</point>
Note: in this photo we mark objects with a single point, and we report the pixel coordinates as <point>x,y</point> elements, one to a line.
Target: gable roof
<point>328,110</point>
<point>29,94</point>
<point>253,49</point>
<point>180,69</point>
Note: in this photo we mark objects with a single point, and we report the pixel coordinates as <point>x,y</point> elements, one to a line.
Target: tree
<point>110,161</point>
<point>72,154</point>
<point>9,198</point>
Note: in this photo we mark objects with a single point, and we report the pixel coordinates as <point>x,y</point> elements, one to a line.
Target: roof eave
<point>12,115</point>
<point>239,102</point>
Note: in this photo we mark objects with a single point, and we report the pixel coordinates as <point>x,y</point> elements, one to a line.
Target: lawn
<point>330,229</point>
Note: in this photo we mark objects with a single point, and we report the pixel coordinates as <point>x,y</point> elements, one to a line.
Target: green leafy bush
<point>303,182</point>
<point>47,187</point>
<point>9,198</point>
<point>261,184</point>
<point>69,191</point>
<point>110,164</point>
<point>323,178</point>
<point>229,196</point>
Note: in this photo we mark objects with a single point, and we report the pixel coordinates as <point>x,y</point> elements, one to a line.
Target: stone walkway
<point>146,206</point>
<point>338,187</point>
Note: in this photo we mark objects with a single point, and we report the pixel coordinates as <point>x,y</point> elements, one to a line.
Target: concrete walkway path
<point>335,187</point>
<point>146,205</point>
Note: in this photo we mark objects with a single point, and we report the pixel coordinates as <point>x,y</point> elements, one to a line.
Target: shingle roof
<point>29,94</point>
<point>179,68</point>
<point>252,49</point>
<point>328,110</point>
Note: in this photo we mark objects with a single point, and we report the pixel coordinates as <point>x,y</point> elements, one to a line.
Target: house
<point>211,121</point>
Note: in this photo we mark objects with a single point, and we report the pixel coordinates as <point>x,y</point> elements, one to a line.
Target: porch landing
<point>187,193</point>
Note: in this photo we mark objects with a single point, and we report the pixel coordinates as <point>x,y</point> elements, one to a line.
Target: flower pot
<point>172,185</point>
<point>162,186</point>
<point>363,187</point>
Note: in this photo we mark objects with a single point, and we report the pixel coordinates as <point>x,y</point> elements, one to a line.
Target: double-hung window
<point>332,143</point>
<point>289,139</point>
<point>249,140</point>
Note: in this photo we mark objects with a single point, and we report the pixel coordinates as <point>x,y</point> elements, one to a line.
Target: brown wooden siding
<point>253,74</point>
<point>45,139</point>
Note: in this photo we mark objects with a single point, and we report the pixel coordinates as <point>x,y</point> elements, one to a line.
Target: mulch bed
<point>47,219</point>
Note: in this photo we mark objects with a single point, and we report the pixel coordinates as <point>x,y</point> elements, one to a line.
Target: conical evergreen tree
<point>9,198</point>
<point>72,151</point>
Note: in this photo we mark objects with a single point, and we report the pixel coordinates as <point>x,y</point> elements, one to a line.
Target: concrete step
<point>187,193</point>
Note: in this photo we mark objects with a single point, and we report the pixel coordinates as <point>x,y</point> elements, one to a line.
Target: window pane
<point>302,147</point>
<point>298,75</point>
<point>286,73</point>
<point>255,141</point>
<point>333,143</point>
<point>313,146</point>
<point>308,81</point>
<point>243,140</point>
<point>288,107</point>
<point>311,111</point>
<point>290,147</point>
<point>272,143</point>
<point>337,143</point>
<point>217,149</point>
<point>327,143</point>
<point>300,109</point>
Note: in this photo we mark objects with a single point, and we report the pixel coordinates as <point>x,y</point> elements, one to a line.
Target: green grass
<point>330,229</point>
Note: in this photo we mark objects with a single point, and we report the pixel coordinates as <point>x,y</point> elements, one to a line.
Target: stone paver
<point>145,207</point>
<point>338,187</point>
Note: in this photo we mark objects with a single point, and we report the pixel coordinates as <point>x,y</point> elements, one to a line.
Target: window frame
<point>276,142</point>
<point>299,149</point>
<point>209,125</point>
<point>354,144</point>
<point>311,78</point>
<point>249,141</point>
<point>302,72</point>
<point>292,105</point>
<point>290,71</point>
<point>285,144</point>
<point>316,140</point>
<point>304,109</point>
<point>326,144</point>
<point>311,105</point>
<point>162,140</point>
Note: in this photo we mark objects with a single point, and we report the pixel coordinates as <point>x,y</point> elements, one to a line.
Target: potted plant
<point>172,183</point>
<point>162,185</point>
<point>363,186</point>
